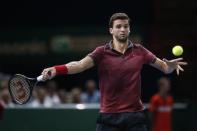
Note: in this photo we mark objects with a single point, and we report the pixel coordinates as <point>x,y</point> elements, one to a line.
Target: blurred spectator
<point>64,96</point>
<point>4,84</point>
<point>1,109</point>
<point>4,77</point>
<point>52,97</point>
<point>4,94</point>
<point>161,107</point>
<point>91,95</point>
<point>40,98</point>
<point>2,106</point>
<point>76,95</point>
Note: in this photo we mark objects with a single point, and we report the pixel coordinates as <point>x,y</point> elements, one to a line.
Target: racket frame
<point>31,83</point>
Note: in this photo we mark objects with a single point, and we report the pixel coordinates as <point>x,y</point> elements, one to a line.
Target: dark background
<point>161,24</point>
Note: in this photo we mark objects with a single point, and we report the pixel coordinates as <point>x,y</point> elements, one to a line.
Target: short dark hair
<point>116,16</point>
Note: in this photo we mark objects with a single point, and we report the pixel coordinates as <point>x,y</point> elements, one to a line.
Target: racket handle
<point>40,78</point>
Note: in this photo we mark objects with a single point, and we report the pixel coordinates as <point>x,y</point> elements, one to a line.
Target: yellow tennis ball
<point>177,50</point>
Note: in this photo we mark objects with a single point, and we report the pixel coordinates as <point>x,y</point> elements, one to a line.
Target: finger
<point>44,78</point>
<point>43,72</point>
<point>177,59</point>
<point>44,75</point>
<point>164,59</point>
<point>182,63</point>
<point>177,71</point>
<point>180,68</point>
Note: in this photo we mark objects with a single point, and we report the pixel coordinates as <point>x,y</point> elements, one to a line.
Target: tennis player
<point>119,65</point>
<point>161,107</point>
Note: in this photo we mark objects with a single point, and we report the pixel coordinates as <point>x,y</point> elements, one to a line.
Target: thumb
<point>165,60</point>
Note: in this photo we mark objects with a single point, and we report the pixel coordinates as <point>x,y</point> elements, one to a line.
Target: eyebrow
<point>122,24</point>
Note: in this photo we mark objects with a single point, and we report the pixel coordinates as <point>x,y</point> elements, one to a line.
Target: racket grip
<point>40,78</point>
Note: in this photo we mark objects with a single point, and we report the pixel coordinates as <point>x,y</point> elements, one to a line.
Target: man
<point>161,107</point>
<point>119,65</point>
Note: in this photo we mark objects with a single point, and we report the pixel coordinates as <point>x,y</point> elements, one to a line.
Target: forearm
<point>69,68</point>
<point>80,66</point>
<point>75,67</point>
<point>163,66</point>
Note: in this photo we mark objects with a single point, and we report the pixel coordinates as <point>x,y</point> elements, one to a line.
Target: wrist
<point>169,70</point>
<point>166,67</point>
<point>61,69</point>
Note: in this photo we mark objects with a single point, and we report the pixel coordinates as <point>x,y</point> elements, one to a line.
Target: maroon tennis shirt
<point>119,76</point>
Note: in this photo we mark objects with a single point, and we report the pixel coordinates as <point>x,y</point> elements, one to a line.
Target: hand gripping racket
<point>20,87</point>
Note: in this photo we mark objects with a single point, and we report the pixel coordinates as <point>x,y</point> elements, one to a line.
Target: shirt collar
<point>130,44</point>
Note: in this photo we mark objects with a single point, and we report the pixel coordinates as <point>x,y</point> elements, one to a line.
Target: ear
<point>110,30</point>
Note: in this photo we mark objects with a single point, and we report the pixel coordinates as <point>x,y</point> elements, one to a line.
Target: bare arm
<point>160,65</point>
<point>72,67</point>
<point>80,66</point>
<point>168,66</point>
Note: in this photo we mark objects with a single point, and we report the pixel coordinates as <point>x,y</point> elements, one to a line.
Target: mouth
<point>122,35</point>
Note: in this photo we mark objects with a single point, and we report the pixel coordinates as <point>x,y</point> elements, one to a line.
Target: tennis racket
<point>20,87</point>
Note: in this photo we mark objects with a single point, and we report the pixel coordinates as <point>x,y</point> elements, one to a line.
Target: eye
<point>126,26</point>
<point>118,26</point>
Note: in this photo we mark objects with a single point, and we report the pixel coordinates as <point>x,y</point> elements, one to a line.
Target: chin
<point>123,40</point>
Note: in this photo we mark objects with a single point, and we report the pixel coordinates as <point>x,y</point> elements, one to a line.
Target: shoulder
<point>155,97</point>
<point>102,48</point>
<point>139,46</point>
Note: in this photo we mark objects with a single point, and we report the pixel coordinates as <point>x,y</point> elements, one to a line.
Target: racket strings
<point>20,89</point>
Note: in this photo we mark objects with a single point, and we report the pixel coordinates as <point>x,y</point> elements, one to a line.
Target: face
<point>90,85</point>
<point>120,30</point>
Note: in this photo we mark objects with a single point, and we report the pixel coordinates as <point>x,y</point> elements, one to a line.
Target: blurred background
<point>39,34</point>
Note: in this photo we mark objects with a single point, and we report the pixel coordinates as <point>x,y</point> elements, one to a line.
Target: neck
<point>162,94</point>
<point>120,46</point>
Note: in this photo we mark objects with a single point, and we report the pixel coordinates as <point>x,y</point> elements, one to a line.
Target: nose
<point>123,29</point>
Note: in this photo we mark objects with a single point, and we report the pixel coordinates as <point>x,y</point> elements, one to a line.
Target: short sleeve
<point>153,104</point>
<point>97,54</point>
<point>149,57</point>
